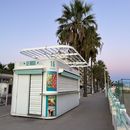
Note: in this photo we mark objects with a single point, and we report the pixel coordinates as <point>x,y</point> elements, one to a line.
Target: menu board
<point>51,81</point>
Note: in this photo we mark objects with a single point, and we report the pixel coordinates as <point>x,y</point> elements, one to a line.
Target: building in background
<point>6,81</point>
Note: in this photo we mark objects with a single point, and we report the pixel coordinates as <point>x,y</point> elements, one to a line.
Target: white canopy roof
<point>64,53</point>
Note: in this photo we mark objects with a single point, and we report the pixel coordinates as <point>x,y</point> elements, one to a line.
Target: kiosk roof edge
<point>64,53</point>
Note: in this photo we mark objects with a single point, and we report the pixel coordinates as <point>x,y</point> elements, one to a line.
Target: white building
<point>5,88</point>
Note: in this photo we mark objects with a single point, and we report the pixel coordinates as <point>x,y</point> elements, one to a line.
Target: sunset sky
<point>31,23</point>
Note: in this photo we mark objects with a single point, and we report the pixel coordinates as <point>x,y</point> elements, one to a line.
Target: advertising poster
<point>51,106</point>
<point>51,81</point>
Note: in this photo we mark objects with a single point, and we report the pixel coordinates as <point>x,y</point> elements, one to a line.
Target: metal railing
<point>120,118</point>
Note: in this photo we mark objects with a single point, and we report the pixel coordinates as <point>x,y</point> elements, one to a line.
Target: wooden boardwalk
<point>92,114</point>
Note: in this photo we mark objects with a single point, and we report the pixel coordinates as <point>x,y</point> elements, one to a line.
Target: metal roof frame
<point>64,53</point>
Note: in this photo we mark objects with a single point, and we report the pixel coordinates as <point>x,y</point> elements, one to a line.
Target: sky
<point>31,23</point>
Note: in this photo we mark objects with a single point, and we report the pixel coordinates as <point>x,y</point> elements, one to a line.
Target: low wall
<point>120,118</point>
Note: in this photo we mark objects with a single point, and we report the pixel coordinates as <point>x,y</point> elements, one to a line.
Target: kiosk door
<point>22,94</point>
<point>35,97</point>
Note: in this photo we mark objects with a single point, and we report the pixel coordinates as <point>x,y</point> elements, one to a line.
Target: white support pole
<point>105,87</point>
<point>108,84</point>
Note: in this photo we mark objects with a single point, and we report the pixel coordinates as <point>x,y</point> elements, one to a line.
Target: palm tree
<point>73,27</point>
<point>95,46</point>
<point>99,69</point>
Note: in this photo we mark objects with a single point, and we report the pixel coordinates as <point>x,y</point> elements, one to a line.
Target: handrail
<point>119,116</point>
<point>127,118</point>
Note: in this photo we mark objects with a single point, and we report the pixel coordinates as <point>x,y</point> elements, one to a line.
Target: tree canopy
<point>7,68</point>
<point>78,28</point>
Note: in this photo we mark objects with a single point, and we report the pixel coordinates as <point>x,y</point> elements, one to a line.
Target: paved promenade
<point>92,114</point>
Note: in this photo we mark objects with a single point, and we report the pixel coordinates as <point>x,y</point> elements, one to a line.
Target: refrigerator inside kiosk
<point>48,86</point>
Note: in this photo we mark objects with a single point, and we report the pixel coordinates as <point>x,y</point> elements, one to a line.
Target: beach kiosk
<point>48,86</point>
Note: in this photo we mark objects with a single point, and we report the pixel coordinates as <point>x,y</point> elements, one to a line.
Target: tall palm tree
<point>73,24</point>
<point>95,46</point>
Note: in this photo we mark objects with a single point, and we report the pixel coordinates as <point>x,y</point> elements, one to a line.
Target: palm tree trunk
<point>92,77</point>
<point>98,85</point>
<point>85,82</point>
<point>94,84</point>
